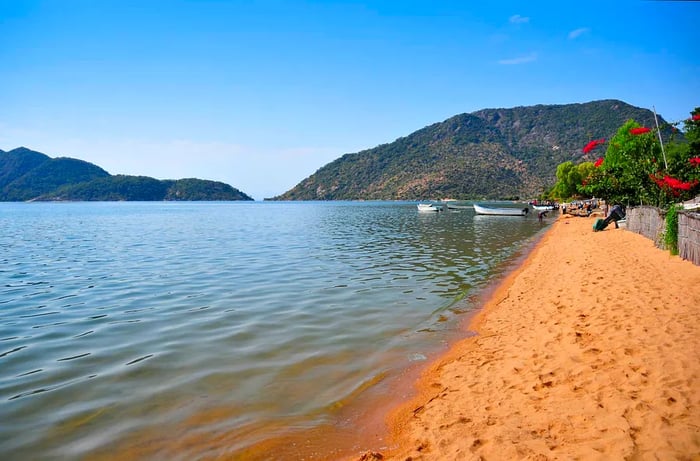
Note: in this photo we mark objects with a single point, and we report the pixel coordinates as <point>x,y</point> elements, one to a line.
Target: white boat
<point>429,207</point>
<point>500,211</point>
<point>543,207</point>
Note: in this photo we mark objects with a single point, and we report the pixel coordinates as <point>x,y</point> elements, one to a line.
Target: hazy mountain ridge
<point>490,153</point>
<point>29,175</point>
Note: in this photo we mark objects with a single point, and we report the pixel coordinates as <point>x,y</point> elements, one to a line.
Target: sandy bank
<point>588,351</point>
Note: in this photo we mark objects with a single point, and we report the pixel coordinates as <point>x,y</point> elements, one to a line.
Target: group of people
<point>585,208</point>
<point>580,208</point>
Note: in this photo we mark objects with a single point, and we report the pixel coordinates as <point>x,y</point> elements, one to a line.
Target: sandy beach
<point>589,350</point>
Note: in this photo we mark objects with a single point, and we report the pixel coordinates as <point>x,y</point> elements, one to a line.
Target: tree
<point>567,181</point>
<point>632,156</point>
<point>637,170</point>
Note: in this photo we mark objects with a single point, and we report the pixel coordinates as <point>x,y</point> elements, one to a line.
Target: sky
<point>261,94</point>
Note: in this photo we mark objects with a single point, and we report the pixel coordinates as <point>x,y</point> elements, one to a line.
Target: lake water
<point>193,330</point>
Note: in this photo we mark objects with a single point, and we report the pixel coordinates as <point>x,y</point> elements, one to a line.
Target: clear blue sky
<point>260,94</point>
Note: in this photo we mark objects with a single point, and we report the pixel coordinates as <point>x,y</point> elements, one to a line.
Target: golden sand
<point>590,350</point>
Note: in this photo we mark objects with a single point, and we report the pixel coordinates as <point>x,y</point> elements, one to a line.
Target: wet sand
<point>589,350</point>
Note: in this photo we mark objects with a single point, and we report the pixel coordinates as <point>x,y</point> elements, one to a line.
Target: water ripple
<point>16,349</point>
<point>140,359</point>
<point>129,321</point>
<point>73,357</point>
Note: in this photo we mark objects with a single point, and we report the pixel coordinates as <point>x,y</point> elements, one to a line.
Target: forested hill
<point>29,175</point>
<point>491,153</point>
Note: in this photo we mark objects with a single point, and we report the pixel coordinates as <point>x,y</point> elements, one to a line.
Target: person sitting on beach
<point>616,213</point>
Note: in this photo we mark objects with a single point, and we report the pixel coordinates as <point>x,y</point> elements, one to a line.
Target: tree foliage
<point>570,177</point>
<point>636,169</point>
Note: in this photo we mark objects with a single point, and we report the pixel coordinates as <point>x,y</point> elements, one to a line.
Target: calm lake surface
<point>189,330</point>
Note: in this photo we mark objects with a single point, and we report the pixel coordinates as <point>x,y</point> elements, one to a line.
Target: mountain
<point>487,154</point>
<point>29,175</point>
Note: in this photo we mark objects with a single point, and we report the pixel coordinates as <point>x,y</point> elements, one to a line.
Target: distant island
<point>27,175</point>
<point>488,154</point>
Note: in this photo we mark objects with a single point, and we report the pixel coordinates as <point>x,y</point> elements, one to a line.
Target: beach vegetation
<point>671,231</point>
<point>570,176</point>
<point>636,168</point>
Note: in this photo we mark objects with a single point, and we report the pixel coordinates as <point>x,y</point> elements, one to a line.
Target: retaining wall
<point>651,223</point>
<point>648,221</point>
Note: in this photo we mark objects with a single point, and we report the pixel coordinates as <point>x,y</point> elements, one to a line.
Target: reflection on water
<point>136,324</point>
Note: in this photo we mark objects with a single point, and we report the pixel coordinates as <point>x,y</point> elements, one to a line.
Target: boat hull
<point>478,209</point>
<point>428,207</point>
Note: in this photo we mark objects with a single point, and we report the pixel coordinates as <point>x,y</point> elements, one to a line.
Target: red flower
<point>598,162</point>
<point>592,145</point>
<point>659,182</point>
<point>695,161</point>
<point>696,117</point>
<point>640,130</point>
<point>673,185</point>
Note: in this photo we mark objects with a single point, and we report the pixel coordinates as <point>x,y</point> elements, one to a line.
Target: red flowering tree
<point>623,175</point>
<point>684,159</point>
<point>635,170</point>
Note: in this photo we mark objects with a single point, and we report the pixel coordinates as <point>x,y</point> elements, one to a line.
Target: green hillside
<point>29,175</point>
<point>491,153</point>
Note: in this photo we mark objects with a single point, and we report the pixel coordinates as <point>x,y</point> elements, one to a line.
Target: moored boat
<point>429,207</point>
<point>500,211</point>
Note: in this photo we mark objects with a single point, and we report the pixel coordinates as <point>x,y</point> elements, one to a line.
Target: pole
<point>658,131</point>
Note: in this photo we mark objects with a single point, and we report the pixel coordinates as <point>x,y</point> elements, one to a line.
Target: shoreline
<point>362,423</point>
<point>587,349</point>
